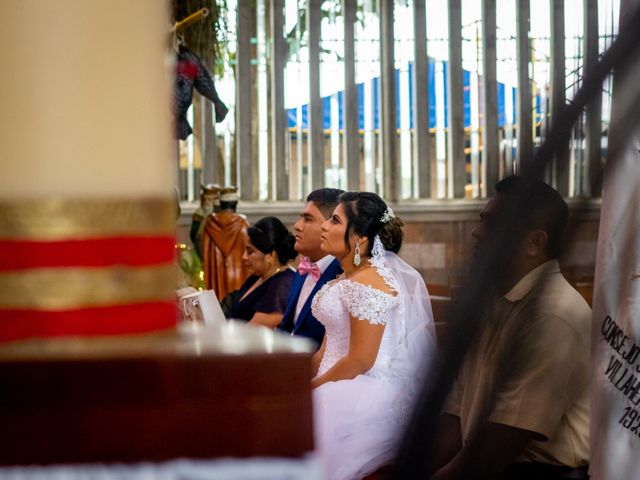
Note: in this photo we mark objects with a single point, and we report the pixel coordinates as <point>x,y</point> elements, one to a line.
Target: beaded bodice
<point>339,300</point>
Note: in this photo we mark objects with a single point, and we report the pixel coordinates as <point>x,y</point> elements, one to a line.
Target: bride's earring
<point>356,258</point>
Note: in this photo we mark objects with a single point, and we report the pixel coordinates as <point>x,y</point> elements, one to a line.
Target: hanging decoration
<point>200,25</point>
<point>205,36</point>
<point>191,73</point>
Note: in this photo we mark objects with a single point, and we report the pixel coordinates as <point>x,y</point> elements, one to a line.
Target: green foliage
<point>190,265</point>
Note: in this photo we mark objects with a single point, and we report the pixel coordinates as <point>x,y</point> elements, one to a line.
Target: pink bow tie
<point>307,266</point>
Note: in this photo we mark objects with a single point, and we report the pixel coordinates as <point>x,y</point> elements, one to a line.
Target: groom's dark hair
<point>325,200</point>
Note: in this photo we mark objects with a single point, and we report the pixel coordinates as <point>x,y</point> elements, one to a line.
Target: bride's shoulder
<point>371,278</point>
<point>368,297</point>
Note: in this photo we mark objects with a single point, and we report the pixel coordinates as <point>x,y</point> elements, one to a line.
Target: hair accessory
<point>387,215</point>
<point>356,257</point>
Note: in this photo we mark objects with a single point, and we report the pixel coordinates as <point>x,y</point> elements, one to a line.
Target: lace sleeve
<point>367,303</point>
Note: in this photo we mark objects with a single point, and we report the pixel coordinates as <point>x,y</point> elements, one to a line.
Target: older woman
<point>262,298</point>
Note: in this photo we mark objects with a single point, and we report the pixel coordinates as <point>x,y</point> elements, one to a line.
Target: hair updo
<point>269,234</point>
<point>364,211</point>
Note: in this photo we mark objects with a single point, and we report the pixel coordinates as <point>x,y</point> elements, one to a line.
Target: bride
<point>379,339</point>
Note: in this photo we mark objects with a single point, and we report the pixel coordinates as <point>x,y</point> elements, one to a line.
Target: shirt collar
<point>526,283</point>
<point>324,262</point>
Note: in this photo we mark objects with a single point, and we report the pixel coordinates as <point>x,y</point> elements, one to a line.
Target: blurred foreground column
<point>86,207</point>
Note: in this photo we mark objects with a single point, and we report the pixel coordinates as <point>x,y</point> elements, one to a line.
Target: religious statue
<point>209,203</point>
<point>224,240</point>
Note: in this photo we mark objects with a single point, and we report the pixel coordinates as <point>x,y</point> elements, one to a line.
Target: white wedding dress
<point>359,422</point>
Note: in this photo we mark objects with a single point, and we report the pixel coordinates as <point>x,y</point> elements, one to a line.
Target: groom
<point>315,268</point>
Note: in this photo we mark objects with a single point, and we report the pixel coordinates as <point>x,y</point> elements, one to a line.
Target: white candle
<point>87,167</point>
<point>86,97</point>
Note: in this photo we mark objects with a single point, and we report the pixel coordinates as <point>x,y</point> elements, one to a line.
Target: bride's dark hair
<point>364,211</point>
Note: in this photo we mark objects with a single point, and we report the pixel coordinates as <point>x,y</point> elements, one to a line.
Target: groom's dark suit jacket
<point>307,325</point>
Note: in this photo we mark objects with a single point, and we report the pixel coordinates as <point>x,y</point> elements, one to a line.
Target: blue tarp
<point>466,79</point>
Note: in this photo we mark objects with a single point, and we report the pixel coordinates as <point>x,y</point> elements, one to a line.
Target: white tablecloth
<point>220,469</point>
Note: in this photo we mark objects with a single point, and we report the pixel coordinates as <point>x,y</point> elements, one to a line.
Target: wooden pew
<point>151,398</point>
<point>438,290</point>
<point>440,306</point>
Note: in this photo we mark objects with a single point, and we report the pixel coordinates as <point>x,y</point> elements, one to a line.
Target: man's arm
<point>449,441</point>
<point>491,451</point>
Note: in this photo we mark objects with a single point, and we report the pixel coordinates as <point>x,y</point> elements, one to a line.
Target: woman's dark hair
<point>269,234</point>
<point>364,211</point>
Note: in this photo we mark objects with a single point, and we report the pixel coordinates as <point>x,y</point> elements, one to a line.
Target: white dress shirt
<point>310,283</point>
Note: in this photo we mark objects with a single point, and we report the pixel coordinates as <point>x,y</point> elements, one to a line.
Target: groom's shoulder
<point>332,268</point>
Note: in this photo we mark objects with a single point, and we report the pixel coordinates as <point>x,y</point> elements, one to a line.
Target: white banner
<point>615,408</point>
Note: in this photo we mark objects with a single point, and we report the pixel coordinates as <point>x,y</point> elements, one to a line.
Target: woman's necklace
<point>277,270</point>
<point>261,280</point>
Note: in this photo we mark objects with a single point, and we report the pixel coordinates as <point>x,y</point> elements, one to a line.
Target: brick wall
<point>438,238</point>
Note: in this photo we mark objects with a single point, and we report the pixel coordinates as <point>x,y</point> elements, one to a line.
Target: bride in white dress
<point>379,340</point>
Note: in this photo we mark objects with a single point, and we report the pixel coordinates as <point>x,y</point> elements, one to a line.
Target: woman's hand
<point>271,320</point>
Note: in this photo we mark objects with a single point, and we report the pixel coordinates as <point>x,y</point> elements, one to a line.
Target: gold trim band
<point>68,288</point>
<point>63,219</point>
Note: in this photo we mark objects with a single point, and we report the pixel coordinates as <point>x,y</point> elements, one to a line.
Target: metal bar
<point>490,152</point>
<point>350,99</point>
<point>280,166</point>
<point>594,108</point>
<point>210,166</point>
<point>390,157</point>
<point>509,115</point>
<point>523,56</point>
<point>191,141</point>
<point>194,17</point>
<point>316,115</point>
<point>421,153</point>
<point>261,109</point>
<point>560,168</point>
<point>456,174</point>
<point>441,135</point>
<point>244,98</point>
<point>474,130</point>
<point>334,140</point>
<point>369,141</point>
<point>301,183</point>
